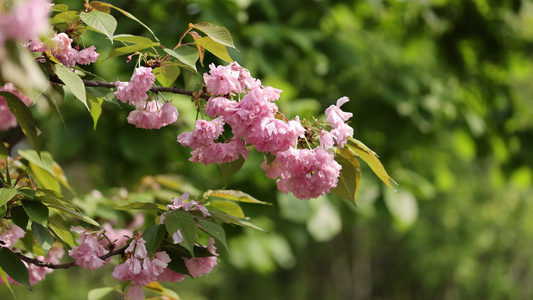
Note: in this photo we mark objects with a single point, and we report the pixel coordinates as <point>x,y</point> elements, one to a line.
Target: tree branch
<point>41,263</point>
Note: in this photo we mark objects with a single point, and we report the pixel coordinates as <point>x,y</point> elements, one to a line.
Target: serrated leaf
<point>127,50</point>
<point>73,82</point>
<point>230,168</point>
<point>234,195</point>
<point>228,207</point>
<point>19,217</point>
<point>99,4</point>
<point>13,266</point>
<point>214,230</point>
<point>215,48</point>
<point>100,293</point>
<point>188,56</point>
<point>153,236</point>
<point>219,34</point>
<point>7,194</point>
<point>64,234</point>
<point>104,23</point>
<point>42,235</point>
<point>135,39</point>
<point>181,220</point>
<point>371,158</point>
<point>36,211</point>
<point>24,118</point>
<point>166,75</point>
<point>95,107</point>
<point>350,175</point>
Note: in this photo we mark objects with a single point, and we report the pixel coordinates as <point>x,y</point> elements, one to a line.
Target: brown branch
<point>41,263</point>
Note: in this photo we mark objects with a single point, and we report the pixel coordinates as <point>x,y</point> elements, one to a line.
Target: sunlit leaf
<point>3,275</point>
<point>75,214</point>
<point>219,34</point>
<point>7,194</point>
<point>135,39</point>
<point>233,195</point>
<point>371,158</point>
<point>24,118</point>
<point>161,290</point>
<point>73,82</point>
<point>127,14</point>
<point>228,207</point>
<point>234,220</point>
<point>101,293</point>
<point>44,179</point>
<point>188,56</point>
<point>13,266</point>
<point>102,22</point>
<point>95,107</point>
<point>59,7</point>
<point>64,234</point>
<point>217,49</point>
<point>4,152</point>
<point>350,175</point>
<point>166,75</point>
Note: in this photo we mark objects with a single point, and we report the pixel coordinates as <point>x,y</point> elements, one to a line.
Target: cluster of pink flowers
<point>147,114</point>
<point>25,21</point>
<point>255,121</point>
<point>11,236</point>
<point>88,252</point>
<point>60,46</point>
<point>8,119</point>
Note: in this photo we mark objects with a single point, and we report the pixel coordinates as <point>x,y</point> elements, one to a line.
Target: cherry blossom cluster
<point>24,21</point>
<point>10,236</point>
<point>148,113</point>
<point>60,46</point>
<point>255,121</point>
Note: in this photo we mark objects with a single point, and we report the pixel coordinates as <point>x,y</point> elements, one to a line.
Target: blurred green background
<point>440,89</point>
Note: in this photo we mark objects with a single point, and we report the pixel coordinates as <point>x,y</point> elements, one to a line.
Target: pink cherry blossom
<point>223,80</point>
<point>335,116</point>
<point>28,19</point>
<point>11,236</point>
<point>153,115</point>
<point>202,265</point>
<point>307,173</point>
<point>342,133</point>
<point>135,90</point>
<point>88,56</point>
<point>170,276</point>
<point>204,133</point>
<point>181,202</point>
<point>134,292</point>
<point>273,135</point>
<point>327,140</point>
<point>177,237</point>
<point>8,119</point>
<point>88,252</point>
<point>219,153</point>
<point>221,106</point>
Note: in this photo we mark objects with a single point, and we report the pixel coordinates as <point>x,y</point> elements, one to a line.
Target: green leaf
<point>214,230</point>
<point>7,194</point>
<point>181,220</point>
<point>36,211</point>
<point>230,168</point>
<point>153,236</point>
<point>138,205</point>
<point>188,56</point>
<point>233,195</point>
<point>13,266</point>
<point>127,14</point>
<point>24,118</point>
<point>234,220</point>
<point>53,198</point>
<point>135,39</point>
<point>73,82</point>
<point>166,75</point>
<point>44,179</point>
<point>100,293</point>
<point>350,175</point>
<point>3,275</point>
<point>43,236</point>
<point>4,152</point>
<point>27,193</point>
<point>219,34</point>
<point>64,234</point>
<point>127,50</point>
<point>102,22</point>
<point>19,217</point>
<point>59,7</point>
<point>217,49</point>
<point>177,263</point>
<point>371,158</point>
<point>45,159</point>
<point>3,211</point>
<point>228,207</point>
<point>156,287</point>
<point>75,214</point>
<point>95,107</point>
